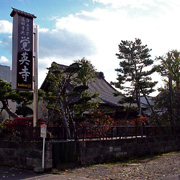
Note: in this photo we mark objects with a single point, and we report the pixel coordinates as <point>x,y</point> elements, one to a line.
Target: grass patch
<point>123,162</point>
<point>133,160</point>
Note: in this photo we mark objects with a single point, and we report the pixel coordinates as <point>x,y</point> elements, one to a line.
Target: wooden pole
<point>35,97</point>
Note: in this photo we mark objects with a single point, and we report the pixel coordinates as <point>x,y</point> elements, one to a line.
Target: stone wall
<point>90,152</point>
<point>27,155</point>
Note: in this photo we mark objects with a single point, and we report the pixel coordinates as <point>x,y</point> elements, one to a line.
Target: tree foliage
<point>86,73</point>
<point>134,74</point>
<point>68,94</point>
<point>170,67</point>
<point>5,94</point>
<point>23,98</point>
<point>167,102</point>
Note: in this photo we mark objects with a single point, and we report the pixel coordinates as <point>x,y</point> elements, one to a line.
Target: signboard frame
<point>22,50</point>
<point>43,130</point>
<point>43,134</point>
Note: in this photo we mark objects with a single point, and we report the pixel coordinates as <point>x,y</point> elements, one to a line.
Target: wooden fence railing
<point>89,132</point>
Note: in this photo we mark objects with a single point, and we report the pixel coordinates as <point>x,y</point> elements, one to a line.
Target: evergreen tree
<point>68,93</point>
<point>86,73</point>
<point>134,74</point>
<point>6,94</point>
<point>23,98</point>
<point>168,99</point>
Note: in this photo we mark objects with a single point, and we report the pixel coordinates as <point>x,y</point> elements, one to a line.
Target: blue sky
<point>72,29</point>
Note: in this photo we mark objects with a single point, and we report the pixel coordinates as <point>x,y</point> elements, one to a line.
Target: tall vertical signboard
<point>22,56</point>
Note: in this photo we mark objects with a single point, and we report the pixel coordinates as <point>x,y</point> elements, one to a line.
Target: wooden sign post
<point>43,135</point>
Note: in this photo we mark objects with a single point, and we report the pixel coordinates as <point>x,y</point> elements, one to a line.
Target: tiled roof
<point>23,13</point>
<point>98,85</point>
<point>106,91</point>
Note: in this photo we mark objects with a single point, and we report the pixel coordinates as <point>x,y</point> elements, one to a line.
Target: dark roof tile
<point>14,11</point>
<point>98,85</point>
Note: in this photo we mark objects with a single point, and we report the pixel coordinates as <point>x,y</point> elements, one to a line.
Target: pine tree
<point>23,98</point>
<point>68,93</point>
<point>168,99</point>
<point>134,74</point>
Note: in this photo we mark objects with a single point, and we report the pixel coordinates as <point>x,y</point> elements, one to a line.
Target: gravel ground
<point>155,168</point>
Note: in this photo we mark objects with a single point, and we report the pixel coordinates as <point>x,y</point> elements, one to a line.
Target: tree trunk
<point>8,110</point>
<point>152,110</point>
<point>128,109</point>
<point>65,120</point>
<point>170,100</point>
<point>72,124</point>
<point>137,98</point>
<point>52,112</point>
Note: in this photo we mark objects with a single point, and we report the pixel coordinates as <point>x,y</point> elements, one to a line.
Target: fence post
<point>142,130</point>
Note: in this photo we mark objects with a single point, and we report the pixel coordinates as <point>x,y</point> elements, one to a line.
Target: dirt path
<point>156,168</point>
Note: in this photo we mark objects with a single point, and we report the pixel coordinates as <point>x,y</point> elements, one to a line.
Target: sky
<point>72,29</point>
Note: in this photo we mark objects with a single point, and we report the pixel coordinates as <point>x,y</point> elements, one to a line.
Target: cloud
<point>141,7</point>
<point>64,44</point>
<point>5,27</point>
<point>128,3</point>
<point>96,34</point>
<point>86,5</point>
<point>141,4</point>
<point>155,23</point>
<point>6,43</point>
<point>43,30</point>
<point>87,34</point>
<point>4,60</point>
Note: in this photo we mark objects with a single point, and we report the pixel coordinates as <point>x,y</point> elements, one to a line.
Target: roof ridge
<point>21,13</point>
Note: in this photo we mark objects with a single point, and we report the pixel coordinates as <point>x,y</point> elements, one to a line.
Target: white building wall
<point>12,106</point>
<point>6,75</point>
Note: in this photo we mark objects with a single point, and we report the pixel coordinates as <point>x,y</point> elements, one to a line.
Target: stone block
<point>120,154</point>
<point>2,159</point>
<point>168,148</point>
<point>48,146</point>
<point>19,152</point>
<point>49,164</point>
<point>48,154</point>
<point>117,149</point>
<point>34,154</point>
<point>141,140</point>
<point>110,149</point>
<point>2,152</point>
<point>13,145</point>
<point>33,162</point>
<point>82,161</point>
<point>81,144</point>
<point>91,151</point>
<point>92,144</point>
<point>38,170</point>
<point>9,152</point>
<point>23,162</point>
<point>81,151</point>
<point>13,161</point>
